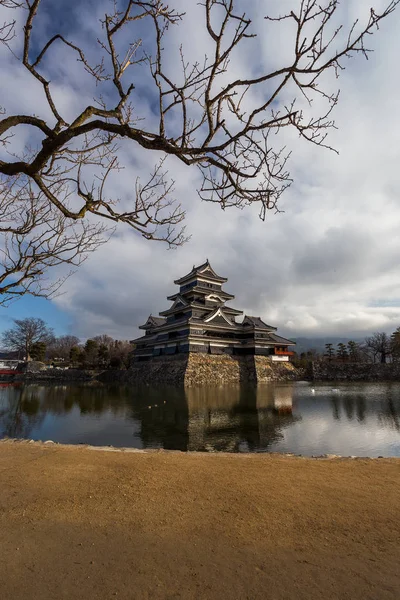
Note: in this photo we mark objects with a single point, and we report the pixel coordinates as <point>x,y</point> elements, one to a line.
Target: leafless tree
<point>37,236</point>
<point>7,29</point>
<point>60,347</point>
<point>118,350</point>
<point>25,333</point>
<point>120,353</point>
<point>20,413</point>
<point>206,115</point>
<point>104,340</point>
<point>378,346</point>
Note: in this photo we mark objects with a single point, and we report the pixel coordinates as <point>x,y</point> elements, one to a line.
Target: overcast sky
<point>327,265</point>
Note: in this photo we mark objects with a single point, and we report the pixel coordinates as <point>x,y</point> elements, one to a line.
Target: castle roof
<point>204,291</point>
<point>205,270</point>
<point>281,340</point>
<point>257,323</point>
<point>152,322</point>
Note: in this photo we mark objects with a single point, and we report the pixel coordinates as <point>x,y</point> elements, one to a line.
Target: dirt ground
<point>83,524</point>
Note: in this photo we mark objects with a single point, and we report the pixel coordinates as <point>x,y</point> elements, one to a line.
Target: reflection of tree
<point>361,407</point>
<point>351,405</point>
<point>335,407</point>
<point>392,414</point>
<point>348,405</point>
<point>387,410</point>
<point>24,407</point>
<point>90,399</point>
<point>390,411</point>
<point>20,412</point>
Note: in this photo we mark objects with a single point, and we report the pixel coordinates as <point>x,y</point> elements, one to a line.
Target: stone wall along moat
<point>206,369</point>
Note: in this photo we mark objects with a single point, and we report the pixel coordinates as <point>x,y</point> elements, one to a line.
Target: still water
<point>350,419</point>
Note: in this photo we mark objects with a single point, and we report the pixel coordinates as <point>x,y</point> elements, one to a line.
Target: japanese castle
<point>199,320</point>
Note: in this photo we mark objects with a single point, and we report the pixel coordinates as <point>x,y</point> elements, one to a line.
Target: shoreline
<point>131,450</point>
<point>122,378</point>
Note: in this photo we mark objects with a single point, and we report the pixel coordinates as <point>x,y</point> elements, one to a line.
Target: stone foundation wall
<point>266,370</point>
<point>215,370</point>
<point>197,369</point>
<point>169,370</point>
<point>330,371</point>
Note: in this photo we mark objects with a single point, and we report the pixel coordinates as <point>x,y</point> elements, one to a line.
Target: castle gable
<point>218,317</point>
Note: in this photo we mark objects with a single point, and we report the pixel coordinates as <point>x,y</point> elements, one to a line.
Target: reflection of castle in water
<point>230,419</point>
<point>227,419</point>
<point>208,419</point>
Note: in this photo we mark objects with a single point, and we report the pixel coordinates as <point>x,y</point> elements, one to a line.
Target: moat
<point>356,419</point>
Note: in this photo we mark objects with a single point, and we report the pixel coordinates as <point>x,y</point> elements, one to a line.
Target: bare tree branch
<point>36,237</point>
<point>207,117</point>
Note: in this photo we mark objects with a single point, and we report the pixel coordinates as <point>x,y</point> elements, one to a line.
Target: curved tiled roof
<point>152,322</point>
<point>206,270</point>
<point>281,340</point>
<point>256,322</point>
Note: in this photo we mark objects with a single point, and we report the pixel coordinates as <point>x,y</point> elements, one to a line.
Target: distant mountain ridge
<point>304,344</point>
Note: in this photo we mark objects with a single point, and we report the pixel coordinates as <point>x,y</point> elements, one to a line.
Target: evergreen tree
<point>38,351</point>
<point>353,350</point>
<point>330,351</point>
<point>103,354</point>
<point>91,352</point>
<point>74,354</point>
<point>342,351</point>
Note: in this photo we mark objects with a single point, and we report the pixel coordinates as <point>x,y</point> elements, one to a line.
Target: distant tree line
<point>33,339</point>
<point>379,347</point>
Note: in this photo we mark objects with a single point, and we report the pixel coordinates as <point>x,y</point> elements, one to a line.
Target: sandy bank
<point>79,524</point>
